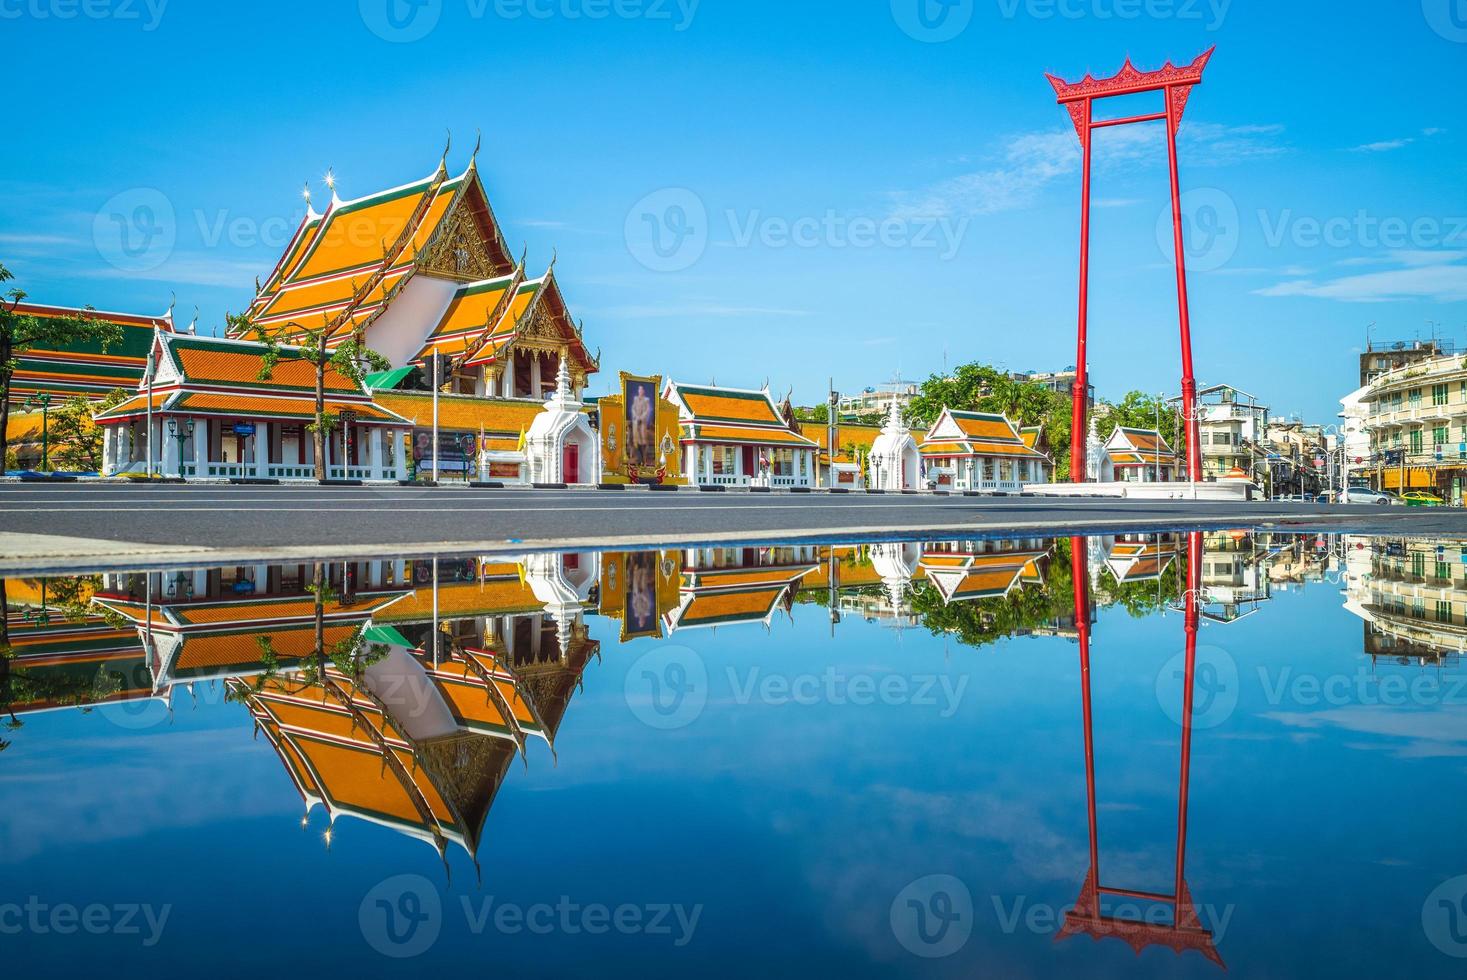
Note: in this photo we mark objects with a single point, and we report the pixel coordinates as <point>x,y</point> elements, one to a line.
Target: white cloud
<point>1437,276</point>
<point>1026,164</point>
<point>1384,146</point>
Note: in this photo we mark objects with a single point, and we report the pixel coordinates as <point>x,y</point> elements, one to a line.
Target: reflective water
<point>1156,755</point>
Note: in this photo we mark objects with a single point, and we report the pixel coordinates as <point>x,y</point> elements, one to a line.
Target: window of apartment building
<point>1416,440</point>
<point>1439,394</point>
<point>1443,611</point>
<point>1418,565</point>
<point>1441,434</point>
<point>1415,397</point>
<point>1418,608</point>
<point>1443,571</point>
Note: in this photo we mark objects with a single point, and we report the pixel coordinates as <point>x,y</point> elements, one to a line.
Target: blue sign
<point>243,587</point>
<point>244,428</point>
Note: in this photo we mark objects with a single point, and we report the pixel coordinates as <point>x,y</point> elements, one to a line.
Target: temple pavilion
<point>978,451</point>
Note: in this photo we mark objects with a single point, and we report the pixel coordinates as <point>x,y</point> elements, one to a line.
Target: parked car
<point>1422,498</point>
<point>1365,495</point>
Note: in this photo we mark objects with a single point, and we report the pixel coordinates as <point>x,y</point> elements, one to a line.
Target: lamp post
<point>188,431</point>
<point>44,400</point>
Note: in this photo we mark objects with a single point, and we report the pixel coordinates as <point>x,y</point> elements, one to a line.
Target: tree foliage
<point>75,439</point>
<point>977,387</point>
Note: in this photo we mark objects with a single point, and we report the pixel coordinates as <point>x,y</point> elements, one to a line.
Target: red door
<point>749,461</point>
<point>572,463</point>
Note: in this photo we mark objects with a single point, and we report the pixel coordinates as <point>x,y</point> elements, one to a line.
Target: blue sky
<point>846,194</point>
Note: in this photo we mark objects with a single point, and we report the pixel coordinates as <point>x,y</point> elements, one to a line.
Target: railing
<point>290,471</point>
<point>728,480</point>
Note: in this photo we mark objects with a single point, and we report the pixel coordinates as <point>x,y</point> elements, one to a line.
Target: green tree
<point>20,332</point>
<point>76,440</point>
<point>977,387</point>
<point>350,358</point>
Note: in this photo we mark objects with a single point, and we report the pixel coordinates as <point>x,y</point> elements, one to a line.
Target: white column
<point>376,451</point>
<point>172,450</point>
<point>535,376</point>
<point>201,443</point>
<point>108,443</point>
<point>262,450</point>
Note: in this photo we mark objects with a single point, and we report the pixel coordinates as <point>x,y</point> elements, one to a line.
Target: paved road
<point>133,523</point>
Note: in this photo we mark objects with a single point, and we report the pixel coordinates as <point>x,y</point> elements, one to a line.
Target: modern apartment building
<point>1416,416</point>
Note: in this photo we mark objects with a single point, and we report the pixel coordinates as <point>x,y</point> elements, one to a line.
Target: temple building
<point>980,451</point>
<point>736,437</point>
<point>896,460</point>
<point>216,409</point>
<point>421,274</point>
<point>1135,456</point>
<point>84,368</point>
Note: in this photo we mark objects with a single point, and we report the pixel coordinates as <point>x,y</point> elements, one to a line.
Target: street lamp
<point>44,400</point>
<point>188,430</point>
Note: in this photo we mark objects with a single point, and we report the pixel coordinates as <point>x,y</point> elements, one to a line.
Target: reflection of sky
<point>1316,830</point>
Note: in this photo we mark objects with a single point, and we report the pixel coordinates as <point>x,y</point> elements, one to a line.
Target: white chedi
<point>895,460</point>
<point>561,446</point>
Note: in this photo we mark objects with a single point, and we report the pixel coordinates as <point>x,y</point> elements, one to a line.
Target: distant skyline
<point>751,190</point>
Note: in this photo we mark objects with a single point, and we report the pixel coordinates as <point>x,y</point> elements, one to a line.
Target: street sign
<point>244,428</point>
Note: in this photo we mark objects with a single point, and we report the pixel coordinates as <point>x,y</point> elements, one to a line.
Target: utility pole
<point>832,433</point>
<point>152,350</point>
<point>437,383</point>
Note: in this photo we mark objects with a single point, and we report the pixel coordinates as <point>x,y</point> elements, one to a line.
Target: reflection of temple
<point>1185,931</point>
<point>435,673</point>
<point>1411,595</point>
<point>1132,557</point>
<point>66,656</point>
<point>729,586</point>
<point>963,571</point>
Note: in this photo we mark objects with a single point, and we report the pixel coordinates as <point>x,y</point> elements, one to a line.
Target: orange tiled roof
<point>729,405</point>
<point>733,433</point>
<point>463,413</point>
<point>267,406</point>
<point>134,405</point>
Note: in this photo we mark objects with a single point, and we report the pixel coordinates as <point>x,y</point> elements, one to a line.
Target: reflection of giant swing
<point>1185,930</point>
